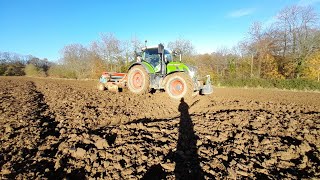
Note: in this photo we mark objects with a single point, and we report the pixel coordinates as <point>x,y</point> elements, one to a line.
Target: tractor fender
<point>146,66</point>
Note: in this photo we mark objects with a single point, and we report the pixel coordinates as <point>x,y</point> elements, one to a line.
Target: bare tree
<point>296,24</point>
<point>255,46</point>
<point>76,58</point>
<point>129,48</point>
<point>97,64</point>
<point>182,45</point>
<point>136,44</point>
<point>110,49</point>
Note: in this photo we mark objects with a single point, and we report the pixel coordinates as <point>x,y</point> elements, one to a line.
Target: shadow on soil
<point>185,156</point>
<point>187,160</point>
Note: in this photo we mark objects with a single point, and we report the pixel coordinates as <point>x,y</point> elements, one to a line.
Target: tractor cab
<point>157,57</point>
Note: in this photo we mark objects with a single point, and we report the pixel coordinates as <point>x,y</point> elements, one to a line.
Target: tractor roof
<point>151,47</point>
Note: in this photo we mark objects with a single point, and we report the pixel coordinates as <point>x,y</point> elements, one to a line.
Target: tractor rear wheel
<point>138,80</point>
<point>179,85</point>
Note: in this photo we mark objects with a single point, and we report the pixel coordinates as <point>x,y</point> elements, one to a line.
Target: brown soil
<point>59,129</point>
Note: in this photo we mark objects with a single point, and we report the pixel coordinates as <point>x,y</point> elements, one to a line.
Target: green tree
<point>32,70</point>
<point>14,69</point>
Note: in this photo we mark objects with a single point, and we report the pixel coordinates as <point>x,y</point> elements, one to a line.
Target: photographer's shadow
<point>186,156</point>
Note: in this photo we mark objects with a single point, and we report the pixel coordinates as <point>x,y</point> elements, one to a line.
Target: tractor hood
<point>176,67</point>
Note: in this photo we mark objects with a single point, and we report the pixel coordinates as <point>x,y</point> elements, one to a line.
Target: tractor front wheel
<point>179,85</point>
<point>138,80</point>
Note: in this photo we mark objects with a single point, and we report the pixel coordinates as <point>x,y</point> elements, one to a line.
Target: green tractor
<point>155,69</point>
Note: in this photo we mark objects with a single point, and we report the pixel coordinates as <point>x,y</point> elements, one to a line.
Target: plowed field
<point>60,129</point>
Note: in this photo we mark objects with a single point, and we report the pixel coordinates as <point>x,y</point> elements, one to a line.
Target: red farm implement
<point>112,81</point>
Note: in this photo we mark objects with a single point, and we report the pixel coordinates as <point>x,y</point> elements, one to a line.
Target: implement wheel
<point>179,85</point>
<point>101,86</point>
<point>138,80</point>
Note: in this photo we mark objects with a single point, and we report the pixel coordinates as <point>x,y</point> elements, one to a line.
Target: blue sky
<point>42,28</point>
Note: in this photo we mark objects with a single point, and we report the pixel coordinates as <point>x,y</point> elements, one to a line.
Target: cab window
<point>152,57</point>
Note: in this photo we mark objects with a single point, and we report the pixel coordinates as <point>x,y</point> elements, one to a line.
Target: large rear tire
<point>179,85</point>
<point>138,80</point>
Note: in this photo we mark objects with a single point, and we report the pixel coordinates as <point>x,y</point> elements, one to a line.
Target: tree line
<point>287,48</point>
<point>13,64</point>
